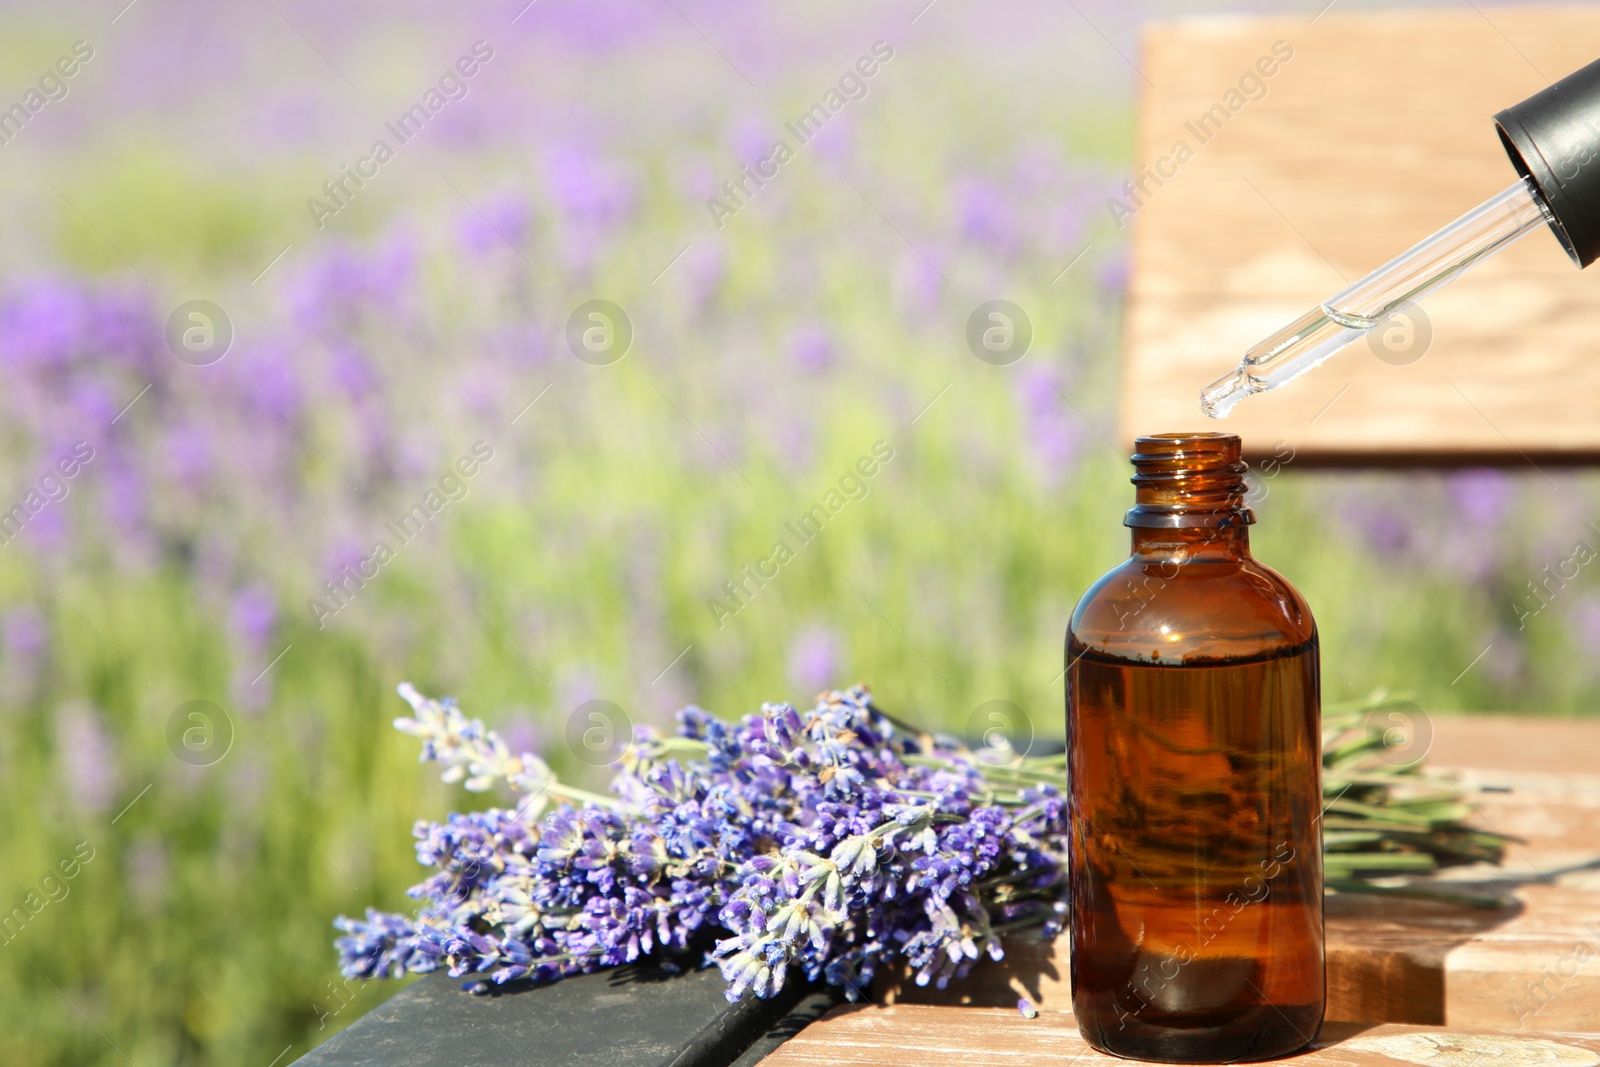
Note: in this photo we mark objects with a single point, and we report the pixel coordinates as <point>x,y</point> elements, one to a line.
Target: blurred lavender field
<point>423,328</point>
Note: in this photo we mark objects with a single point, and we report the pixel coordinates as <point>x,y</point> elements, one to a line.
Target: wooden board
<point>1534,965</point>
<point>1374,134</point>
<point>933,1036</point>
<point>637,1015</point>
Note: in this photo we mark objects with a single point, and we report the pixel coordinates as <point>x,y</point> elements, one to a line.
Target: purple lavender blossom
<point>506,218</point>
<point>351,370</point>
<point>752,138</point>
<point>190,459</point>
<point>813,659</point>
<point>585,189</point>
<point>984,216</point>
<point>704,267</point>
<point>24,635</point>
<point>1390,531</point>
<point>918,284</point>
<point>521,730</point>
<point>1482,495</point>
<point>811,348</point>
<point>828,843</point>
<point>1053,435</point>
<point>87,755</point>
<point>24,642</point>
<point>835,143</point>
<point>1585,622</point>
<point>1113,273</point>
<point>252,617</point>
<point>338,289</point>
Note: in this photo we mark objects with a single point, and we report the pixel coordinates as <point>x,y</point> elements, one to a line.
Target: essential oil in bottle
<point>1194,764</point>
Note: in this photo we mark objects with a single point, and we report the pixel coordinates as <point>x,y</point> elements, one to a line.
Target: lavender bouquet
<point>833,842</point>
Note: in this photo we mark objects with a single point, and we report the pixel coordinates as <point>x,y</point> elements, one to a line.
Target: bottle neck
<point>1185,544</point>
<point>1190,500</point>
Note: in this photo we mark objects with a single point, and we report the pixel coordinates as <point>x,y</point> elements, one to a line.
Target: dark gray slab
<point>628,1017</point>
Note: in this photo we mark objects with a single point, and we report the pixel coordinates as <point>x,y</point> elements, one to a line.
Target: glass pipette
<point>1553,139</point>
<point>1352,314</point>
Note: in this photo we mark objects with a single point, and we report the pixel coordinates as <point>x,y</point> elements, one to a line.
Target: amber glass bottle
<point>1194,760</point>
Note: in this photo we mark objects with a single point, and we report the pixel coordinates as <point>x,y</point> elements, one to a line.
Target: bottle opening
<point>1189,480</point>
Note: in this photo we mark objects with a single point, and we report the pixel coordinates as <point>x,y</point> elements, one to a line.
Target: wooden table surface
<point>1376,132</point>
<point>1404,962</point>
<point>980,1037</point>
<point>1530,968</point>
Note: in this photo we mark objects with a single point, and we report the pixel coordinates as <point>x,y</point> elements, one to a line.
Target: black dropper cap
<point>1553,137</point>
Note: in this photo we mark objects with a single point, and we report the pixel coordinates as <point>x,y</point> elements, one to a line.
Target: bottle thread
<point>1188,481</point>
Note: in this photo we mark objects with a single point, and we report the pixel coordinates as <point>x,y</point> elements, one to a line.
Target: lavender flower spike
<point>467,749</point>
<point>478,757</point>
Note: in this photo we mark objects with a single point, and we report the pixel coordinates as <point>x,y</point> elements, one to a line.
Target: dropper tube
<point>1350,315</point>
<point>1553,140</point>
